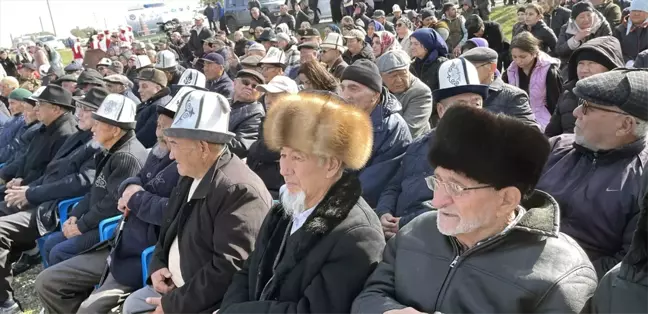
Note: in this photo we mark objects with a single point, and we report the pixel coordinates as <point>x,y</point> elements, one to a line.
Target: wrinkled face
<point>359,95</point>
<point>15,106</point>
<point>245,89</point>
<point>397,81</point>
<point>522,58</point>
<point>638,17</point>
<point>532,17</point>
<point>595,127</point>
<point>307,54</point>
<point>467,212</point>
<point>585,19</point>
<point>69,86</point>
<point>302,172</point>
<point>375,46</point>
<point>355,45</point>
<point>212,70</point>
<point>114,88</point>
<point>104,133</point>
<point>186,153</point>
<point>29,113</point>
<point>148,89</point>
<point>84,113</point>
<point>418,51</point>
<point>329,55</point>
<point>586,68</point>
<point>465,99</point>
<point>485,72</point>
<point>521,16</point>
<point>163,123</point>
<point>5,89</point>
<point>269,71</point>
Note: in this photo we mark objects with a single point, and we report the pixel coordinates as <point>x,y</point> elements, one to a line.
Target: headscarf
<point>432,41</point>
<point>388,42</point>
<point>479,42</point>
<point>334,28</point>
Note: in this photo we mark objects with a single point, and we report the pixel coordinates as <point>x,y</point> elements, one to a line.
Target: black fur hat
<point>492,149</point>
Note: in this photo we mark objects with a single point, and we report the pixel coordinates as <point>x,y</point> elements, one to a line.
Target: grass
<point>506,16</point>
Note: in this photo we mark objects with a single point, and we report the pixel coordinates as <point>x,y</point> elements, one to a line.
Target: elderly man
<point>596,173</point>
<point>263,161</point>
<point>493,245</point>
<point>115,68</point>
<point>357,47</point>
<point>153,91</point>
<point>217,79</point>
<point>64,287</point>
<point>256,49</point>
<point>258,20</point>
<point>331,54</point>
<point>286,44</point>
<point>119,84</point>
<point>379,15</point>
<point>21,139</point>
<point>308,51</point>
<point>502,97</point>
<point>251,63</point>
<point>15,97</point>
<point>55,112</point>
<point>73,68</point>
<point>68,82</point>
<point>322,240</point>
<point>213,216</point>
<point>285,18</point>
<point>362,86</point>
<point>102,66</point>
<point>414,96</point>
<point>122,157</point>
<point>407,196</point>
<point>247,112</point>
<point>88,79</point>
<point>273,64</point>
<point>166,62</point>
<point>198,33</point>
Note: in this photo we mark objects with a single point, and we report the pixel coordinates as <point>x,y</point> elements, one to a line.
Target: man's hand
<point>16,196</point>
<point>389,225</point>
<point>71,230</point>
<point>158,305</point>
<point>15,182</point>
<point>161,280</point>
<point>407,310</point>
<point>457,51</point>
<point>122,203</point>
<point>582,34</point>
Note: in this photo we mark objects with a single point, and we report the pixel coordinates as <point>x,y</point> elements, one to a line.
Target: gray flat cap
<point>118,79</point>
<point>393,60</point>
<point>480,54</point>
<point>622,87</point>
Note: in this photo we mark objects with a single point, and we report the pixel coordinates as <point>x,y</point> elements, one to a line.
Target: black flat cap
<point>251,73</point>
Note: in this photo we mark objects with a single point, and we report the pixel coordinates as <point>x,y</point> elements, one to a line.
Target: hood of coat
<point>607,46</point>
<point>634,266</point>
<point>542,215</point>
<point>597,22</point>
<point>433,42</point>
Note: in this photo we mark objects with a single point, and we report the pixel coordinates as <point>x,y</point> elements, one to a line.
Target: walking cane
<point>115,242</point>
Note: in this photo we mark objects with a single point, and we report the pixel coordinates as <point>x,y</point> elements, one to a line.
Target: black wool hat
<point>93,98</point>
<point>595,56</point>
<point>492,149</point>
<point>57,95</point>
<point>581,7</point>
<point>364,72</point>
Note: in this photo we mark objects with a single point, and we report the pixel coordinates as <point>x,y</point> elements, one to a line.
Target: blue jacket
<point>390,139</point>
<point>146,118</point>
<point>407,193</point>
<point>158,177</point>
<point>599,193</point>
<point>18,145</point>
<point>219,11</point>
<point>128,93</point>
<point>223,86</point>
<point>10,130</point>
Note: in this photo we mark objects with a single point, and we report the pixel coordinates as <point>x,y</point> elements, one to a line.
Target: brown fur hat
<point>321,124</point>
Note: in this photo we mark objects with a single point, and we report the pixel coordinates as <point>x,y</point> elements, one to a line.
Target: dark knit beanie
<point>595,56</point>
<point>364,72</point>
<point>581,7</point>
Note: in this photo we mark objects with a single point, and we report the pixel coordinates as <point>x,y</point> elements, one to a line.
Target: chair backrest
<point>107,227</point>
<point>147,254</point>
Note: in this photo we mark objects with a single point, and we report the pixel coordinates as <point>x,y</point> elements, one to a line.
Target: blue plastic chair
<point>146,260</point>
<point>107,227</point>
<point>63,208</point>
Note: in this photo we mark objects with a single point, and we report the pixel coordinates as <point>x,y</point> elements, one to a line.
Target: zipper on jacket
<point>454,262</point>
<point>456,251</point>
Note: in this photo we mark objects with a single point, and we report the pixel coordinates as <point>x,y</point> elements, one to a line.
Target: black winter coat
<point>147,115</point>
<point>216,231</point>
<point>287,19</point>
<point>557,18</point>
<point>196,40</point>
<point>223,85</point>
<point>41,150</point>
<point>320,268</point>
<point>563,51</point>
<point>123,160</point>
<point>262,21</point>
<point>245,122</point>
<point>70,174</point>
<point>634,42</point>
<point>158,177</point>
<point>562,119</point>
<point>546,35</point>
<point>9,67</point>
<point>428,72</point>
<point>305,16</point>
<point>265,163</point>
<point>509,100</point>
<point>365,53</point>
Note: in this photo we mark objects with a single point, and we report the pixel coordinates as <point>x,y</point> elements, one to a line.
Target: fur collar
<point>542,215</point>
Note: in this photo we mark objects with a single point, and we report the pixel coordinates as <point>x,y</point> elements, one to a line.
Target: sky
<point>19,17</point>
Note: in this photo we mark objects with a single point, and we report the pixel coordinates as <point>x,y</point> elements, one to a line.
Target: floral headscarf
<point>388,42</point>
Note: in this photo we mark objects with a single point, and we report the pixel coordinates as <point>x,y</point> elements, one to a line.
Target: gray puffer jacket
<point>528,268</point>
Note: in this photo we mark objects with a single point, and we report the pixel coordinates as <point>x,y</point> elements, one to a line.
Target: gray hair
<point>641,129</point>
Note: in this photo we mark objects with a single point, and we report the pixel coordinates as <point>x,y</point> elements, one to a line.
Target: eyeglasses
<point>587,107</point>
<point>399,25</point>
<point>451,188</point>
<point>248,82</point>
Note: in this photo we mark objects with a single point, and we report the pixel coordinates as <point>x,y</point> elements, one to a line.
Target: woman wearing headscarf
<point>373,27</point>
<point>383,42</point>
<point>429,51</point>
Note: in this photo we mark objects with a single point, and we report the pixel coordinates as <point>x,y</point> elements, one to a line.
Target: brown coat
<point>216,232</point>
<point>338,67</point>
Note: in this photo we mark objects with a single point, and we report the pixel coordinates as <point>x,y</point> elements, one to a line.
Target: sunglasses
<point>248,82</point>
<point>587,107</point>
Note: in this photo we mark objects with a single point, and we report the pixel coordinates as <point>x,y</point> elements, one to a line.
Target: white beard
<point>293,203</point>
<point>465,225</point>
<point>94,144</point>
<point>159,152</point>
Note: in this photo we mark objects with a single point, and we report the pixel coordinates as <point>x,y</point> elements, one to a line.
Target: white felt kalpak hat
<point>142,61</point>
<point>458,76</point>
<point>274,56</point>
<point>193,77</point>
<point>169,109</point>
<point>117,110</point>
<point>202,116</point>
<point>165,60</point>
